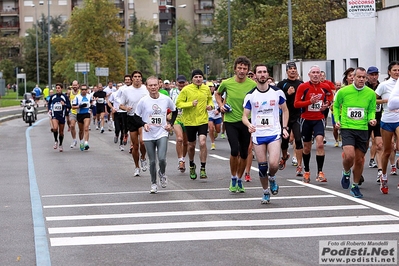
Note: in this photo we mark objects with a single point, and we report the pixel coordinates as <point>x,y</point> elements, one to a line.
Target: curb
<point>16,116</point>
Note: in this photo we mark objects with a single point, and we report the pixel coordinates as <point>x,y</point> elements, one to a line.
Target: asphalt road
<point>86,208</point>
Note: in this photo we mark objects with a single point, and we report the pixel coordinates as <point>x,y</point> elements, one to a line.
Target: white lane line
<point>180,201</point>
<point>160,191</point>
<point>204,212</point>
<point>348,197</point>
<point>227,223</point>
<point>226,234</point>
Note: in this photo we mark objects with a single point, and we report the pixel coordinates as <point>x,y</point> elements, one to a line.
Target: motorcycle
<point>29,112</point>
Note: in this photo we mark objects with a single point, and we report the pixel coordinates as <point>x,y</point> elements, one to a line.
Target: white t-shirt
<point>153,112</point>
<point>265,111</point>
<point>393,101</point>
<point>130,96</point>
<point>211,113</point>
<point>384,90</point>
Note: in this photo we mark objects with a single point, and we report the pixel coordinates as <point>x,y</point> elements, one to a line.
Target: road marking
<point>226,234</point>
<point>180,201</point>
<point>205,212</point>
<point>159,191</point>
<point>224,223</point>
<point>39,227</point>
<point>348,197</point>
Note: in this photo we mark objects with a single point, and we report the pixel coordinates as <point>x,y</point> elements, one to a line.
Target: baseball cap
<point>210,84</point>
<point>372,69</point>
<point>289,65</point>
<point>181,78</point>
<point>166,81</point>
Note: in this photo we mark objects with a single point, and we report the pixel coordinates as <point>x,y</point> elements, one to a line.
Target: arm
<point>299,103</point>
<point>182,102</point>
<point>285,111</point>
<point>245,115</point>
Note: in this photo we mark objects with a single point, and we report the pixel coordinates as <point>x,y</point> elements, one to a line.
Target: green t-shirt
<point>235,94</point>
<point>354,108</point>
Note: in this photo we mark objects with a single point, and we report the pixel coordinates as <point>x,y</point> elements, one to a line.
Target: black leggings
<point>239,138</point>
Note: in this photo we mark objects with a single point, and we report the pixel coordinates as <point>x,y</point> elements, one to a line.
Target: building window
<point>206,4</point>
<point>62,2</point>
<point>206,19</point>
<point>28,19</point>
<point>393,54</point>
<point>27,3</point>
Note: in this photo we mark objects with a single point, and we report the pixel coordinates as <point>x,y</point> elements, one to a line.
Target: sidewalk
<point>15,112</point>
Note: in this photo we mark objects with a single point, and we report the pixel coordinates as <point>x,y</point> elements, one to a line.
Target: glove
<point>83,105</point>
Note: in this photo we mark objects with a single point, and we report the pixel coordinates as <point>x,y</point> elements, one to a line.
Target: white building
<point>364,42</point>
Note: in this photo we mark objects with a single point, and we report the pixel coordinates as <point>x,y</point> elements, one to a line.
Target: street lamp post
<point>37,46</point>
<point>176,36</point>
<point>49,47</point>
<point>290,31</point>
<point>126,6</point>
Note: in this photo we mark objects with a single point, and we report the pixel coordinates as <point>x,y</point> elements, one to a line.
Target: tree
<point>7,66</point>
<point>96,42</point>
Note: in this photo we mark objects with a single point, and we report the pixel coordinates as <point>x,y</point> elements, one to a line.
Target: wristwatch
<point>286,128</point>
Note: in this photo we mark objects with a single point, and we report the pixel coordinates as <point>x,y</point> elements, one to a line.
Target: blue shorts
<point>216,121</point>
<point>60,118</point>
<point>391,127</point>
<point>265,140</point>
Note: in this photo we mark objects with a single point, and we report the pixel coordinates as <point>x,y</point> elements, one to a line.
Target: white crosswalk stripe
<point>318,220</point>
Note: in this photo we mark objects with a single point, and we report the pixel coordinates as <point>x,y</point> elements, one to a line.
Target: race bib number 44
<point>355,113</point>
<point>264,121</point>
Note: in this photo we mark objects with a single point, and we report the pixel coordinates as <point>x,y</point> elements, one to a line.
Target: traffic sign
<point>102,71</point>
<point>82,67</point>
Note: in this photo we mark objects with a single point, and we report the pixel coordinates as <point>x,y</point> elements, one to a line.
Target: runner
<point>263,105</point>
<point>352,118</point>
<point>58,107</point>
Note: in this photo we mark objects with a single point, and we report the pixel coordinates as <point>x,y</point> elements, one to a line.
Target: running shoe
<point>281,164</point>
<point>336,144</point>
<point>162,179</point>
<point>294,161</point>
<point>223,136</point>
<point>136,172</point>
<point>247,177</point>
<point>299,171</point>
<point>213,146</point>
<point>61,148</point>
<point>182,166</point>
<point>393,170</point>
<point>193,174</point>
<point>324,141</point>
<point>384,186</point>
<point>203,173</point>
<point>144,164</point>
<point>321,178</point>
<point>87,146</point>
<point>115,139</point>
<point>121,148</point>
<point>215,134</point>
<point>265,198</point>
<point>372,164</point>
<point>397,163</point>
<point>306,177</point>
<point>240,187</point>
<point>102,130</point>
<point>379,176</point>
<point>345,180</point>
<point>154,189</point>
<point>73,144</point>
<point>233,185</point>
<point>97,128</point>
<point>55,145</point>
<point>82,146</point>
<point>355,191</point>
<point>273,185</point>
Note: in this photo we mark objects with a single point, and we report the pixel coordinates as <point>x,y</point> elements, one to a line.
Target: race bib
<point>378,107</point>
<point>157,120</point>
<point>100,100</point>
<point>264,121</point>
<point>57,107</point>
<point>355,113</point>
<point>315,107</point>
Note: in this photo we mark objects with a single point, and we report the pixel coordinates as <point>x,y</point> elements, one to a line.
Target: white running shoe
<point>143,164</point>
<point>73,144</point>
<point>136,172</point>
<point>163,179</point>
<point>154,189</point>
<point>121,148</point>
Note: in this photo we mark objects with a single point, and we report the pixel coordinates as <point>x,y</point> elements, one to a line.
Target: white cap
<point>166,81</point>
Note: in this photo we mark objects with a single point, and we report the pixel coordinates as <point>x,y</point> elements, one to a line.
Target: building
<point>365,41</point>
<point>16,16</point>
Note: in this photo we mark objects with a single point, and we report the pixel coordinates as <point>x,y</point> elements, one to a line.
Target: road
<point>86,208</point>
